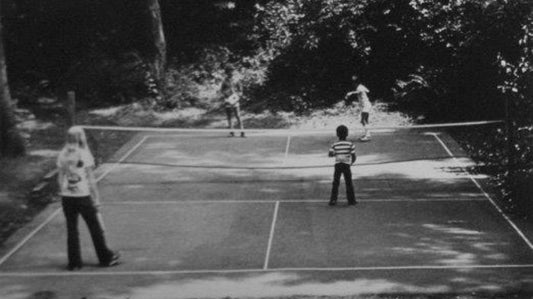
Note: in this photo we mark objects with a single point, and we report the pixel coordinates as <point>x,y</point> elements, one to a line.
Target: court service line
<point>513,225</point>
<point>271,236</point>
<point>262,201</point>
<point>256,270</point>
<point>58,210</point>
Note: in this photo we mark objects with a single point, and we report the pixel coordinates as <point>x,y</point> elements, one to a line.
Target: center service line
<point>513,225</point>
<point>271,237</point>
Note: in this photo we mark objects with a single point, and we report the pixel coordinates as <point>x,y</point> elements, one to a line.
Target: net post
<point>71,107</point>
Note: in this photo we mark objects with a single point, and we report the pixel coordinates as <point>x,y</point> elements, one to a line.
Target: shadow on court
<point>259,226</point>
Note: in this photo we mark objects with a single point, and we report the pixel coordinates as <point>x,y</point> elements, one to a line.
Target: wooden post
<point>71,107</point>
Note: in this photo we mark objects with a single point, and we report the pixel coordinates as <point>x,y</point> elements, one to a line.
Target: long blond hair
<point>76,143</point>
<point>77,134</point>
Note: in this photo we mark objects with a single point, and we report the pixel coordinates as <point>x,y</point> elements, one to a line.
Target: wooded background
<point>441,59</point>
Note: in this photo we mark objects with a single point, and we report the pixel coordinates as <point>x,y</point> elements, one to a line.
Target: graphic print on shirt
<point>75,172</point>
<point>74,164</point>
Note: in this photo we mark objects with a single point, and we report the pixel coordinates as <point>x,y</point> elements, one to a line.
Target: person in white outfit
<point>366,106</point>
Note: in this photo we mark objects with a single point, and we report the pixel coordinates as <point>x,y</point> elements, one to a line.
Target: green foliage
<point>507,152</point>
<point>517,86</point>
<point>198,83</point>
<point>310,61</point>
<point>100,79</point>
<point>185,81</point>
<point>451,45</point>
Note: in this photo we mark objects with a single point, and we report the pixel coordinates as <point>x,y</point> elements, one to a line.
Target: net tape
<point>105,150</point>
<point>285,131</point>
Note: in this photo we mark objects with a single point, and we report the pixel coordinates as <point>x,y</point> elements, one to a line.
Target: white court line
<point>271,236</point>
<point>271,270</point>
<point>513,225</point>
<point>58,210</point>
<point>29,236</point>
<point>262,201</point>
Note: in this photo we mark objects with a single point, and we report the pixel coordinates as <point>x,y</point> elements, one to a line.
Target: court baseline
<point>270,270</point>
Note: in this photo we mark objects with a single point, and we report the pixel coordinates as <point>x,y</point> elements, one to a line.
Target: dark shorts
<point>364,118</point>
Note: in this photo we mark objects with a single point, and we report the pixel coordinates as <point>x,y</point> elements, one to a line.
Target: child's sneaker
<point>113,261</point>
<point>365,138</point>
<point>231,134</point>
<point>242,135</point>
<point>74,267</point>
<point>332,202</point>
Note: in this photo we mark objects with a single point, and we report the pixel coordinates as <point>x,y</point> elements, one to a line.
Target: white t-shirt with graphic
<point>75,164</point>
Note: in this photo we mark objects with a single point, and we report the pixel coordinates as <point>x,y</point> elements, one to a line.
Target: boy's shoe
<point>113,261</point>
<point>332,202</point>
<point>352,203</point>
<point>242,135</point>
<point>365,138</point>
<point>231,134</point>
<point>74,267</point>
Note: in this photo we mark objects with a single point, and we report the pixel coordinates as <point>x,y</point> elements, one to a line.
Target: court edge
<point>257,270</point>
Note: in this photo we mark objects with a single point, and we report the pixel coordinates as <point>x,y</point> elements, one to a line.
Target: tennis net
<point>283,148</point>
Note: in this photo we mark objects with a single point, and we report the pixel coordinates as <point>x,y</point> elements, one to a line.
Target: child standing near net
<point>231,92</point>
<point>364,102</point>
<point>77,187</point>
<point>344,153</point>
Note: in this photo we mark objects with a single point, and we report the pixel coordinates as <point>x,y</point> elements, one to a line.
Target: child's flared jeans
<point>342,169</point>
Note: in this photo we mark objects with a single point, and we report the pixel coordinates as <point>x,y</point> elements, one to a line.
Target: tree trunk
<point>159,54</point>
<point>11,143</point>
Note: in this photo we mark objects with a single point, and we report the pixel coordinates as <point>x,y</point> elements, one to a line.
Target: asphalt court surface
<point>259,167</point>
<point>204,203</point>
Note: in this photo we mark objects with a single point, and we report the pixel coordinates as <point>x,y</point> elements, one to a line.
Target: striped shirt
<point>343,151</point>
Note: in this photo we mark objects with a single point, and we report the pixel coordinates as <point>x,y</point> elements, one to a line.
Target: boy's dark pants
<point>344,169</point>
<point>72,207</point>
<point>235,110</point>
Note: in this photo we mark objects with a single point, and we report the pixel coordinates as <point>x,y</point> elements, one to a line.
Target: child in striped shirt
<point>344,153</point>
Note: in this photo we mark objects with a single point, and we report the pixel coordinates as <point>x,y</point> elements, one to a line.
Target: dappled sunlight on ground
<point>455,245</point>
<point>274,285</point>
